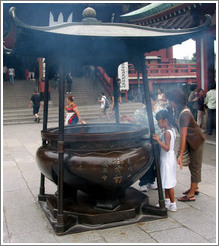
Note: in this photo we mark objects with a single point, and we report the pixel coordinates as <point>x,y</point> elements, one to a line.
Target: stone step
<point>85,91</point>
<point>24,116</point>
<point>16,101</point>
<point>89,107</point>
<point>29,114</point>
<point>52,120</point>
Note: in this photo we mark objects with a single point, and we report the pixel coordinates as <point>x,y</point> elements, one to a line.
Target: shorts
<point>36,109</point>
<point>103,110</point>
<point>195,165</point>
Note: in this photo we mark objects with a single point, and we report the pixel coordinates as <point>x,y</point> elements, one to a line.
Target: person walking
<point>210,102</point>
<point>193,101</point>
<point>69,83</point>
<point>11,75</point>
<point>103,106</point>
<point>72,115</point>
<point>31,70</point>
<point>119,91</point>
<point>190,135</point>
<point>36,104</point>
<point>26,74</point>
<point>201,109</point>
<point>56,79</point>
<point>5,69</point>
<point>167,158</point>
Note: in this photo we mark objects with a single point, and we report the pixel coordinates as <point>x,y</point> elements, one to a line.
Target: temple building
<point>180,16</point>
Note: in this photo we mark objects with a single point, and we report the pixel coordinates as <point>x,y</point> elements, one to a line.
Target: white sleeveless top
<point>168,163</point>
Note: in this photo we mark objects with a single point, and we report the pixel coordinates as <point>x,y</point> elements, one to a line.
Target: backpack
<point>106,103</point>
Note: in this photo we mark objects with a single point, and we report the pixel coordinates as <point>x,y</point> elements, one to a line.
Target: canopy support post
<point>46,98</point>
<point>115,94</point>
<point>152,131</point>
<point>60,215</point>
<point>45,121</point>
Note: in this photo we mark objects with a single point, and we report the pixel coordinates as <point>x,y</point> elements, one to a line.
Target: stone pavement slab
<point>25,222</point>
<point>178,236</point>
<point>127,234</point>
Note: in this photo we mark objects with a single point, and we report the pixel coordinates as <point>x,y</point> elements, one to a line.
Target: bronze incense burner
<point>101,160</point>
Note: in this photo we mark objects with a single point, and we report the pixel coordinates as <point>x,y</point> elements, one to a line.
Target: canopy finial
<point>89,13</point>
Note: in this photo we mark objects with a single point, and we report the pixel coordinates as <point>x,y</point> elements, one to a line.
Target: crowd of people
<point>203,107</point>
<point>171,113</point>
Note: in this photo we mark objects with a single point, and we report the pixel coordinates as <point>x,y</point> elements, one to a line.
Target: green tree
<point>193,60</point>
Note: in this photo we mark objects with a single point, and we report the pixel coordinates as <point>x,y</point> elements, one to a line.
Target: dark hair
<point>200,90</point>
<point>177,96</point>
<point>193,87</point>
<point>162,115</point>
<point>102,93</point>
<point>35,90</point>
<point>160,90</point>
<point>212,86</point>
<point>70,98</point>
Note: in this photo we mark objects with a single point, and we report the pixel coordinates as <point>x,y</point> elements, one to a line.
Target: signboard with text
<point>123,75</point>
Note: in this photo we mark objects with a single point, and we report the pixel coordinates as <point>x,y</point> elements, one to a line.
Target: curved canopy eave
<point>96,43</point>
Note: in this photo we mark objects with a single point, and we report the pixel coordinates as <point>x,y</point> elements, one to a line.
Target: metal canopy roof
<point>95,43</point>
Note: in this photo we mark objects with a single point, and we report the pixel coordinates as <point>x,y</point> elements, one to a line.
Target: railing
<point>176,69</point>
<point>156,70</point>
<point>104,78</point>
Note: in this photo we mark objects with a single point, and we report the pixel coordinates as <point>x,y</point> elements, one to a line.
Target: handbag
<point>186,156</point>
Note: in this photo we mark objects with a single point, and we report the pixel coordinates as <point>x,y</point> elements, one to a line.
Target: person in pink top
<point>72,115</point>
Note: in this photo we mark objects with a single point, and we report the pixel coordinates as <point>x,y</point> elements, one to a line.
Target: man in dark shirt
<point>201,109</point>
<point>35,102</point>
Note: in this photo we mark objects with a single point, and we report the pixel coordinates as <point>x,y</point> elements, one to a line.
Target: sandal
<point>186,199</point>
<point>187,192</point>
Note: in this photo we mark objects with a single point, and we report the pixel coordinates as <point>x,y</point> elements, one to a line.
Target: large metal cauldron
<point>101,160</point>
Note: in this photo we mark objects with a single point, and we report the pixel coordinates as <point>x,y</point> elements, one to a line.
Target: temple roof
<point>148,10</point>
<point>171,15</point>
<point>94,42</point>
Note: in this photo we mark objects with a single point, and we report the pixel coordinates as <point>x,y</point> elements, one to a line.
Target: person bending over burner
<point>190,135</point>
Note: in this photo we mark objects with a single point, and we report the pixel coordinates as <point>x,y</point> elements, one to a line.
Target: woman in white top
<point>167,158</point>
<point>11,75</point>
<point>161,101</point>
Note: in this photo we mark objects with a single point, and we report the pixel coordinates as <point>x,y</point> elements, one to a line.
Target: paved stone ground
<point>25,222</point>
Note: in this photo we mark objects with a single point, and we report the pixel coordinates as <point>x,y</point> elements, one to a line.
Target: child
<point>167,158</point>
<point>35,101</point>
